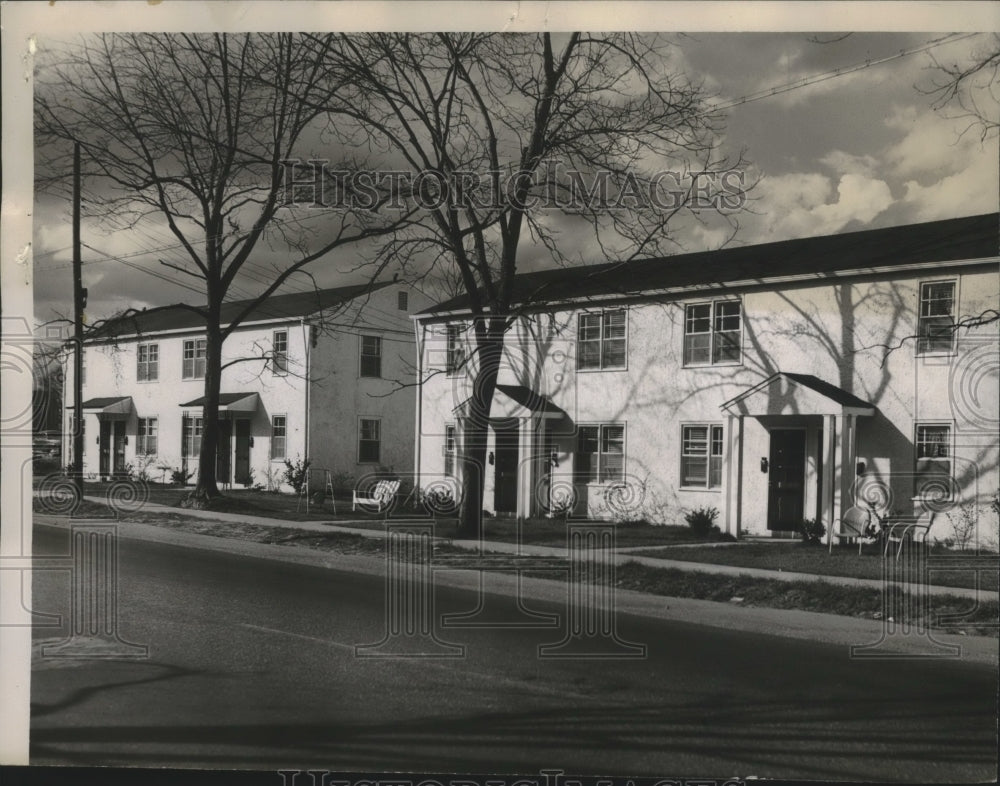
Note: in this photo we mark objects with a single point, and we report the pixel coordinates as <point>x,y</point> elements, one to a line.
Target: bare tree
<point>970,88</point>
<point>193,131</point>
<point>504,140</point>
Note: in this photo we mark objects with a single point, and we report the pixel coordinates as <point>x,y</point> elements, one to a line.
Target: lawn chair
<point>855,524</point>
<point>912,531</point>
<point>381,496</point>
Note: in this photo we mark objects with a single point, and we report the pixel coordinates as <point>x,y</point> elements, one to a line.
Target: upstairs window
<point>601,339</point>
<point>279,352</point>
<point>148,362</point>
<point>936,328</point>
<point>456,352</point>
<point>600,453</point>
<point>145,441</point>
<point>713,333</point>
<point>402,300</point>
<point>371,356</point>
<point>195,354</point>
<point>701,456</point>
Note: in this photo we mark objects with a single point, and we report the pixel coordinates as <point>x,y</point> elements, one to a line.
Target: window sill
<point>597,370</point>
<point>728,363</point>
<point>713,489</point>
<point>938,353</point>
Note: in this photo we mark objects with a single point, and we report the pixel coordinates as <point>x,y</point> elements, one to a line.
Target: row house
<point>775,383</point>
<point>325,374</point>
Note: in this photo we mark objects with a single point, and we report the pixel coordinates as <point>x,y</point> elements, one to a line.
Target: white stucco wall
<point>340,397</point>
<point>838,332</point>
<point>337,395</point>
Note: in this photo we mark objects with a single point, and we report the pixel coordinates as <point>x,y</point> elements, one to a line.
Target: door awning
<point>231,402</point>
<point>107,405</point>
<point>511,401</point>
<point>786,393</point>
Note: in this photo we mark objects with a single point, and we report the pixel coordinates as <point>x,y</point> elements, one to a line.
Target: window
<point>932,446</point>
<point>148,362</point>
<point>369,441</point>
<point>190,436</point>
<point>701,456</point>
<point>600,453</point>
<point>713,333</point>
<point>456,352</point>
<point>402,300</point>
<point>937,317</point>
<point>450,450</point>
<point>194,359</point>
<point>371,356</point>
<point>145,441</point>
<point>72,435</point>
<point>601,339</point>
<point>279,433</point>
<point>279,352</point>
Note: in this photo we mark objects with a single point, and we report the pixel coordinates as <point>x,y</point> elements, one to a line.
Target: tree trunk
<point>489,351</point>
<point>207,487</point>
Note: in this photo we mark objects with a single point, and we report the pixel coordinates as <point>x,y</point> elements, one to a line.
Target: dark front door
<point>242,451</point>
<point>222,452</point>
<point>505,482</point>
<point>118,446</point>
<point>786,479</point>
<point>105,447</point>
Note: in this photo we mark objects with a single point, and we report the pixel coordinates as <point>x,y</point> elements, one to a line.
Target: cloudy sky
<point>853,143</point>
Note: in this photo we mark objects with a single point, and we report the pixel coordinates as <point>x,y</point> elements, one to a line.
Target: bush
<point>297,473</point>
<point>701,520</point>
<point>812,531</point>
<point>181,476</point>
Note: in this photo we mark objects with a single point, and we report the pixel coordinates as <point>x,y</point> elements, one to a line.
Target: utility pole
<point>78,304</point>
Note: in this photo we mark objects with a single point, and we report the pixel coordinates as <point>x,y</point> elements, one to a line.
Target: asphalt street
<point>252,664</point>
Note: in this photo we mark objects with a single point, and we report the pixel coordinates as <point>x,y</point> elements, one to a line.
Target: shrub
<point>812,531</point>
<point>297,473</point>
<point>964,526</point>
<point>701,520</point>
<point>140,470</point>
<point>181,476</point>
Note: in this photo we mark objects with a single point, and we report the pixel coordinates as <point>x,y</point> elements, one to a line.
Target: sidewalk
<point>525,549</point>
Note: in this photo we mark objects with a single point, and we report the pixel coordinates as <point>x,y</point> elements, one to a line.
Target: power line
<point>836,72</point>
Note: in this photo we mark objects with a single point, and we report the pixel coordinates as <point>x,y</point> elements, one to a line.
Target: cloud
<point>848,163</point>
<point>804,204</point>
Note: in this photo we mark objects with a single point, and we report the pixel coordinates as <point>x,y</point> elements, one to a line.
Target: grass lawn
<point>799,558</point>
<point>976,617</point>
<point>549,532</point>
<point>286,507</point>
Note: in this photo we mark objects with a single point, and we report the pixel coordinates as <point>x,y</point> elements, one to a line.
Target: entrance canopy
<point>108,405</point>
<point>231,402</point>
<point>512,401</point>
<point>785,393</point>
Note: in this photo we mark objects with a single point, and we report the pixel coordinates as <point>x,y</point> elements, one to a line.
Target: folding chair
<point>854,524</point>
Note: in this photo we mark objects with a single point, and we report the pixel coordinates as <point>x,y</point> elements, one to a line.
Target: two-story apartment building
<point>775,383</point>
<point>324,374</point>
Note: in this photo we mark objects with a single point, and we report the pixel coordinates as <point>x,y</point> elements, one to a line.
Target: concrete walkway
<point>527,549</point>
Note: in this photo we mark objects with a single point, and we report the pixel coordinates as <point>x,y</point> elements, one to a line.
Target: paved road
<point>252,665</point>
